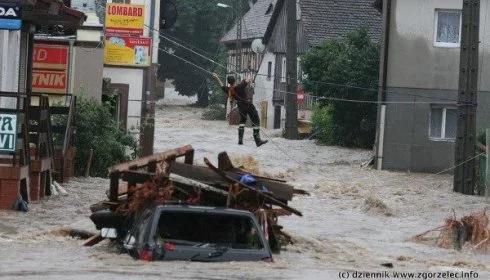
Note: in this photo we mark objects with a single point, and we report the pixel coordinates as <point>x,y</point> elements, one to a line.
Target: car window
<point>199,229</point>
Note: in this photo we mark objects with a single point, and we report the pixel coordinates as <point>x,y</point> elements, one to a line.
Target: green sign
<point>8,133</point>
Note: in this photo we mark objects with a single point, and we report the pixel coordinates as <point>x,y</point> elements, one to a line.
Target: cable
<point>314,97</point>
<point>454,167</point>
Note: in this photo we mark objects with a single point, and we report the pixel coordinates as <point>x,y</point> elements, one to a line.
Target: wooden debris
<point>94,240</point>
<point>160,179</point>
<point>473,229</point>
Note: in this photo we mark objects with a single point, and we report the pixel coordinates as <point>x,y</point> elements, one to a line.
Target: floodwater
<point>341,229</point>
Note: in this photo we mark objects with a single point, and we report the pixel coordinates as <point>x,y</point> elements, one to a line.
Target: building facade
<point>421,72</point>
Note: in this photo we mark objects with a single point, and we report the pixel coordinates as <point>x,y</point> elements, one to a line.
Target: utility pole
<point>238,42</point>
<point>290,101</point>
<point>465,172</point>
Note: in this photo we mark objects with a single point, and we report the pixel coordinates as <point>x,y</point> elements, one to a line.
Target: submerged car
<point>193,233</point>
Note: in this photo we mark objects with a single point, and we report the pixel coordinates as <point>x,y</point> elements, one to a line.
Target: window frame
<point>283,70</point>
<point>436,25</point>
<point>269,70</point>
<point>443,124</point>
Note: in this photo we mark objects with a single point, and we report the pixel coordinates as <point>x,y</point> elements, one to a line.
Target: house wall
<point>421,72</point>
<point>264,89</point>
<point>277,42</point>
<point>134,78</point>
<point>87,71</point>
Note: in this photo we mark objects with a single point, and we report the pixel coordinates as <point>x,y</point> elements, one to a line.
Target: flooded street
<point>342,229</point>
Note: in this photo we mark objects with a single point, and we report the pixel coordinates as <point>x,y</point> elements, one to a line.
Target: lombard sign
<point>8,133</point>
<point>50,68</point>
<point>10,16</point>
<point>124,19</point>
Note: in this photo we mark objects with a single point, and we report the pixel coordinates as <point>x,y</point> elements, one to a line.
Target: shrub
<point>215,112</point>
<point>97,129</point>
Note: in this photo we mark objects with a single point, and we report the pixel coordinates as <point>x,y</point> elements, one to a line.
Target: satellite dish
<point>258,46</point>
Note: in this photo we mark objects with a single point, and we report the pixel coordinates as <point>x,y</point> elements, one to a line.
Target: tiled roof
<point>255,22</point>
<point>327,19</point>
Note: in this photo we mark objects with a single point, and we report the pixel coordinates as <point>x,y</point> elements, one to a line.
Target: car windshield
<point>208,229</point>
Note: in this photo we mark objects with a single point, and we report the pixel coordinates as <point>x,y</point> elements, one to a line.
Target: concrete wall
<point>422,72</point>
<point>88,71</point>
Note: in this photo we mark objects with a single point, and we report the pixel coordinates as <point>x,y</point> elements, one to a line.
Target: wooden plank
<point>94,240</point>
<point>186,181</point>
<point>266,196</point>
<point>144,161</point>
<point>114,185</point>
<point>280,190</point>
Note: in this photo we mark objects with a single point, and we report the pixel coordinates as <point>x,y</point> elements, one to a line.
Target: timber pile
<point>472,230</point>
<point>163,178</point>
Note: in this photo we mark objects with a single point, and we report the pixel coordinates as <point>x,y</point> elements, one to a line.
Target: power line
<point>314,97</point>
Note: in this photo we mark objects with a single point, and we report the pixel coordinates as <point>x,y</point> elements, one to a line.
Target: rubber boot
<point>259,142</point>
<point>241,131</point>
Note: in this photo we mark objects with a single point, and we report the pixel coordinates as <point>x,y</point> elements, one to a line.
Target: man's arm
<point>217,79</point>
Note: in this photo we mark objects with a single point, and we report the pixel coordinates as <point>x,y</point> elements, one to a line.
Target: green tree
<point>345,69</point>
<point>96,129</point>
<point>200,24</point>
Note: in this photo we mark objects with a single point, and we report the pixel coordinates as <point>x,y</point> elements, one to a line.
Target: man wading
<point>245,107</point>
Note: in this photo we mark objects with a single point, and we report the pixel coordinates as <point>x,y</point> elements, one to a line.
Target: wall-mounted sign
<point>8,133</point>
<point>127,51</point>
<point>50,68</point>
<point>10,16</point>
<point>124,19</point>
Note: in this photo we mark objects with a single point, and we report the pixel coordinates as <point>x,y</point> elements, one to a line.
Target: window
<point>269,70</point>
<point>448,28</point>
<point>443,123</point>
<point>298,10</point>
<point>283,70</point>
<point>299,69</point>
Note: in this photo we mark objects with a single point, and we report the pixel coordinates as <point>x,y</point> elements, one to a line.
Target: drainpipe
<point>383,72</point>
<point>379,163</point>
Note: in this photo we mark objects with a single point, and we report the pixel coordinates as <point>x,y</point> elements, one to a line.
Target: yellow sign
<point>127,51</point>
<point>124,19</point>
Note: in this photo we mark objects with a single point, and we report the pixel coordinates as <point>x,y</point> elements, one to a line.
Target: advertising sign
<point>50,68</point>
<point>8,133</point>
<point>127,51</point>
<point>124,19</point>
<point>10,16</point>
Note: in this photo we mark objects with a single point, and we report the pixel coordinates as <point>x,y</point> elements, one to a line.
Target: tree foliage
<point>345,69</point>
<point>97,129</point>
<point>200,24</point>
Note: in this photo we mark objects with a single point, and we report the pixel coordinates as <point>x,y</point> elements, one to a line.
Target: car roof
<point>201,209</point>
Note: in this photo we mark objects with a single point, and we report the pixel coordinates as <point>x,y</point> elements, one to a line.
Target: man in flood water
<point>245,107</point>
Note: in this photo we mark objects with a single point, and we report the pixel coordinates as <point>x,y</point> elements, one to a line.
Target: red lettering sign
<point>50,65</point>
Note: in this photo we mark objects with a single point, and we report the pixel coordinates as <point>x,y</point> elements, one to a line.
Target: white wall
<point>133,77</point>
<point>264,88</point>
